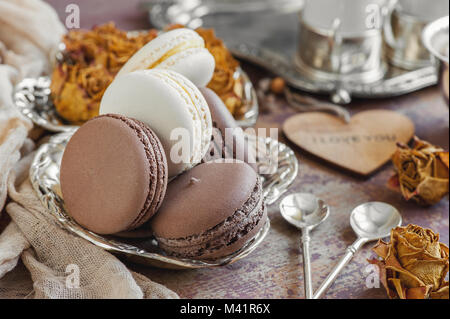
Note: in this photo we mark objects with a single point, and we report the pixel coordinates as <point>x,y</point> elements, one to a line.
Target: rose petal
<point>418,293</point>
<point>442,293</point>
<point>401,291</point>
<point>428,271</point>
<point>444,157</point>
<point>383,277</point>
<point>381,249</point>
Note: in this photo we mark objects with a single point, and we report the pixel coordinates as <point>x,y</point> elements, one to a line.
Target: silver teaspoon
<point>370,221</point>
<point>304,211</point>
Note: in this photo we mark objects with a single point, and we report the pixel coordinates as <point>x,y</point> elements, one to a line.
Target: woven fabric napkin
<point>37,258</point>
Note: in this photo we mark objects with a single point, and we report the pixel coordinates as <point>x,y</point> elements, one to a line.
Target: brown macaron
<point>113,174</point>
<point>211,211</point>
<point>223,124</point>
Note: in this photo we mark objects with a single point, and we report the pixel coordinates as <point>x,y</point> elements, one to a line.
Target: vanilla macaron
<point>172,106</point>
<point>180,50</point>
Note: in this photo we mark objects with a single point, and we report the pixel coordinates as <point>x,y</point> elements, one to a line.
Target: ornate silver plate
<point>44,176</point>
<point>32,97</point>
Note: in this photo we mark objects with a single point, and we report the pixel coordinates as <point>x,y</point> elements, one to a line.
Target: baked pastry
<point>91,60</point>
<point>113,174</point>
<point>211,211</point>
<point>180,50</point>
<point>171,105</point>
<point>228,140</point>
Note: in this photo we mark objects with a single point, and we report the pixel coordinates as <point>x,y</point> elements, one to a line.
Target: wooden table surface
<point>274,270</point>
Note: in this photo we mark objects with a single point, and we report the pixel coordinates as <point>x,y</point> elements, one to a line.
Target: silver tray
<point>44,176</point>
<point>32,97</point>
<point>396,81</point>
<point>270,40</point>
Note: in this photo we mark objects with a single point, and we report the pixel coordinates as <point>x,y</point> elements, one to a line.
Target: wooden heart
<point>361,146</point>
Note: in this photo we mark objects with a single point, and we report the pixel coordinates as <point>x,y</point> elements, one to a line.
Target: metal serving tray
<point>269,38</point>
<point>44,176</point>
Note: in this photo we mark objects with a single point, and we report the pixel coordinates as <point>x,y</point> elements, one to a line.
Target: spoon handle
<point>307,264</point>
<point>350,252</point>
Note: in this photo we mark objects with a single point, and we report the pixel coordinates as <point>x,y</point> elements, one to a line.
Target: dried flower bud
<point>414,264</point>
<point>90,61</point>
<point>422,172</point>
<point>277,85</point>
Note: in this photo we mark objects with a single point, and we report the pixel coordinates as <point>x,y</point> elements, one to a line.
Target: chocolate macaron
<point>211,211</point>
<point>113,174</point>
<point>228,140</point>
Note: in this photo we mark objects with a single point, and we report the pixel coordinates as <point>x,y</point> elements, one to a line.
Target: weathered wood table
<point>274,270</point>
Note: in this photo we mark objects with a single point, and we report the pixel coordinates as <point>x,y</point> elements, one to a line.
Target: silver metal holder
<point>271,41</point>
<point>32,97</point>
<point>44,176</point>
<point>395,82</point>
<point>332,57</point>
<point>191,12</point>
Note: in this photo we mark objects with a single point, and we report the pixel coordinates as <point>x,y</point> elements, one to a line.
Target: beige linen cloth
<point>29,33</point>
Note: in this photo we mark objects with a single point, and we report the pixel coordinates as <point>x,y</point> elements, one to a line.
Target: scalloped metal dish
<point>32,97</point>
<point>44,176</point>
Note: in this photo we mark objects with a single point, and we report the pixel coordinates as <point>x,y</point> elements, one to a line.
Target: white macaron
<point>171,105</point>
<point>180,50</point>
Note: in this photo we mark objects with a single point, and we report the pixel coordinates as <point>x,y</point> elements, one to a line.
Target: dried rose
<point>422,172</point>
<point>94,80</point>
<point>414,264</point>
<point>77,91</point>
<point>225,82</point>
<point>91,60</point>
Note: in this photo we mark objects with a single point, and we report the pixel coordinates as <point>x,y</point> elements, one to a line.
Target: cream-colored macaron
<point>180,50</point>
<point>171,105</point>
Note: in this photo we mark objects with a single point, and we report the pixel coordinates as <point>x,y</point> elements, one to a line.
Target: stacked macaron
<point>113,174</point>
<point>156,126</point>
<point>210,211</point>
<point>180,50</point>
<point>228,141</point>
<point>171,105</point>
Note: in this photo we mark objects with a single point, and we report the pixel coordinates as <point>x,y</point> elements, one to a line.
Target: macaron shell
<point>229,249</point>
<point>223,120</point>
<point>202,108</point>
<point>202,198</point>
<point>160,48</point>
<point>188,92</point>
<point>149,96</point>
<point>198,68</point>
<point>210,211</point>
<point>159,175</point>
<point>102,174</point>
<point>224,238</point>
<point>197,64</point>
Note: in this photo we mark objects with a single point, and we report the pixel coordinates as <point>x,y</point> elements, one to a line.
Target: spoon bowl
<point>374,220</point>
<point>304,210</point>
